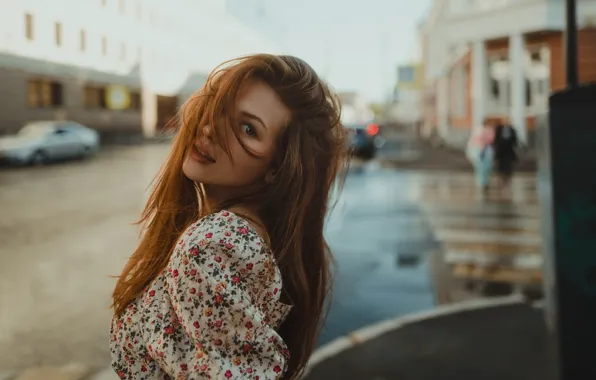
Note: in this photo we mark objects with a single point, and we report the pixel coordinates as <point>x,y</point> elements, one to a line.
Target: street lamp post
<point>567,187</point>
<point>571,43</point>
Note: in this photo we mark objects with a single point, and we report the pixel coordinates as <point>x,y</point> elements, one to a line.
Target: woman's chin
<point>194,171</point>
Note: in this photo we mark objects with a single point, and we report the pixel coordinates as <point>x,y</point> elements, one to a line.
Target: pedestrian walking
<point>231,276</point>
<point>505,145</point>
<point>480,153</point>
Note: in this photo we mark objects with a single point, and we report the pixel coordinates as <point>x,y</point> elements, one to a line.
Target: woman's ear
<point>270,176</point>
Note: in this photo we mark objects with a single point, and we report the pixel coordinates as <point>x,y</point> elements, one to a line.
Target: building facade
<point>496,59</point>
<point>406,104</point>
<point>354,108</point>
<point>119,66</point>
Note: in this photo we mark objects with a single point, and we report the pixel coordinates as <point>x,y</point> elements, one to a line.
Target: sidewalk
<point>421,155</point>
<point>489,343</point>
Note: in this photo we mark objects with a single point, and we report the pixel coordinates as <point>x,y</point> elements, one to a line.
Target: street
<point>67,228</point>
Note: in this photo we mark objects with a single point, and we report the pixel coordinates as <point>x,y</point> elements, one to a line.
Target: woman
<point>480,153</point>
<point>505,145</point>
<point>232,272</point>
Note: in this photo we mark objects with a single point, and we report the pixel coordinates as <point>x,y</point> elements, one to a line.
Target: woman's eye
<point>249,130</point>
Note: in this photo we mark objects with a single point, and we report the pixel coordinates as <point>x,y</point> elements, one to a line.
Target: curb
<point>370,332</point>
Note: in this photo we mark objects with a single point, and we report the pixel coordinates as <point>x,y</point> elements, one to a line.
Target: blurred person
<point>232,272</point>
<point>505,145</point>
<point>480,153</point>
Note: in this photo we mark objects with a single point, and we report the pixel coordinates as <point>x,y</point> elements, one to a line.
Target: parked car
<point>364,140</point>
<point>41,142</point>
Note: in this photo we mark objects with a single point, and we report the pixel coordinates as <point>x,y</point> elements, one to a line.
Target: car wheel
<point>39,158</point>
<point>87,151</point>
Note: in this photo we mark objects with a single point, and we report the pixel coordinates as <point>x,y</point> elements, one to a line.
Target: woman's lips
<point>199,155</point>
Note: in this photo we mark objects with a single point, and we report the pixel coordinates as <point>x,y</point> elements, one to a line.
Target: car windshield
<point>35,129</point>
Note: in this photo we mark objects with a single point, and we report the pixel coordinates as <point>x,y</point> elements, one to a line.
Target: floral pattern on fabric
<point>212,314</point>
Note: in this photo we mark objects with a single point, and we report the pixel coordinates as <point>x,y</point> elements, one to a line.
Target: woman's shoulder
<point>226,223</point>
<point>224,231</point>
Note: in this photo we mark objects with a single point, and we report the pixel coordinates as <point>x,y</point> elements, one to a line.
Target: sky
<point>355,44</point>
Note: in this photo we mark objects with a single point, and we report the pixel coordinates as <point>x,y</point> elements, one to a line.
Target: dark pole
<point>571,44</point>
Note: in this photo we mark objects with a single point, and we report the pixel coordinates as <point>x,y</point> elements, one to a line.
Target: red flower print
<point>275,291</point>
<point>217,342</point>
<point>143,369</point>
<point>229,246</point>
<point>218,323</point>
<point>242,230</point>
<point>175,273</point>
<point>249,325</point>
<point>249,370</point>
<point>121,374</point>
<point>152,293</point>
<point>249,266</point>
<point>203,367</point>
<point>228,233</point>
<point>218,259</point>
<point>228,374</point>
<point>247,348</point>
<point>218,299</point>
<point>193,290</point>
<point>194,251</point>
<point>183,367</point>
<point>208,235</point>
<point>196,324</point>
<point>235,279</point>
<point>169,330</point>
<point>225,213</point>
<point>277,369</point>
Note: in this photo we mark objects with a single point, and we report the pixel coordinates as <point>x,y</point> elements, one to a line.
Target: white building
<point>354,108</point>
<point>59,58</point>
<point>498,58</point>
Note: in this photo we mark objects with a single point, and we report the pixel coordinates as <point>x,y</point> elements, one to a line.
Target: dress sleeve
<point>221,284</point>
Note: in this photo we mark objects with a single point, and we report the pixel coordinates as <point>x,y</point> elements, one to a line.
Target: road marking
<point>521,223</point>
<point>465,236</point>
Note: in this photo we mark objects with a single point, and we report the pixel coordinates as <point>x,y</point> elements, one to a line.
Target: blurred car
<point>41,142</point>
<point>364,140</point>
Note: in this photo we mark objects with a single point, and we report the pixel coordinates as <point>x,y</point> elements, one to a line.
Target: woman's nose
<point>207,131</point>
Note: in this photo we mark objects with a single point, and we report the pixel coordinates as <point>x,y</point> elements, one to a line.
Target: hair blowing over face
<point>311,154</point>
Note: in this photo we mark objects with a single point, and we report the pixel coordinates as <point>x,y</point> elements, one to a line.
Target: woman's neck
<point>219,197</point>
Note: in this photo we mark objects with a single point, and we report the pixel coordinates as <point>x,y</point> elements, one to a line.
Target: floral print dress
<point>211,314</point>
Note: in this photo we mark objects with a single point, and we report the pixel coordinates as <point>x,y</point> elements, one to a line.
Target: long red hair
<point>311,156</point>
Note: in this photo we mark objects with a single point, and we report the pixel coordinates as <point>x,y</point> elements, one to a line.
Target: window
<point>95,97</point>
<point>29,27</point>
<point>58,33</point>
<point>44,94</point>
<point>83,40</point>
<point>104,46</point>
<point>135,100</point>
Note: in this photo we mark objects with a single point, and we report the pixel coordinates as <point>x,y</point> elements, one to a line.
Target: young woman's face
<point>262,116</point>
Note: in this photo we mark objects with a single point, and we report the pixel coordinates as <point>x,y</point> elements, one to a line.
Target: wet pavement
<point>382,246</point>
<point>66,228</point>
